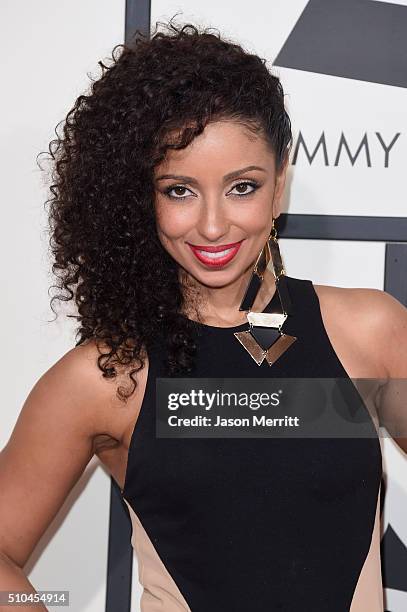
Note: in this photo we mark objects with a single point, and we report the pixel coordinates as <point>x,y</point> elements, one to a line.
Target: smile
<point>215,256</point>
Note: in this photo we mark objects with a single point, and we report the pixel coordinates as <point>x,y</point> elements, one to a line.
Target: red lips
<point>215,261</point>
<point>215,249</point>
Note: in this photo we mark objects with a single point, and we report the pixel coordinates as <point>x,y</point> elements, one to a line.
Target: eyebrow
<point>192,180</point>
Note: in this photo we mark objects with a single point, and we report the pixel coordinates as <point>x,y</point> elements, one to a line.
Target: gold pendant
<point>271,354</point>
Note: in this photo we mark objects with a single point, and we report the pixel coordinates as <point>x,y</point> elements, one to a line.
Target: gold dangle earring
<point>264,338</point>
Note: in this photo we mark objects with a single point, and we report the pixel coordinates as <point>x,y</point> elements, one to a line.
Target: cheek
<point>173,221</point>
<point>253,218</point>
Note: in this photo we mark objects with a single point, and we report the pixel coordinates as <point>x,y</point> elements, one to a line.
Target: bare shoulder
<point>374,318</point>
<point>108,414</point>
<point>115,419</point>
<point>369,305</point>
<point>78,382</point>
<point>358,301</point>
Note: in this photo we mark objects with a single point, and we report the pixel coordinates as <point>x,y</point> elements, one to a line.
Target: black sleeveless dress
<point>256,524</point>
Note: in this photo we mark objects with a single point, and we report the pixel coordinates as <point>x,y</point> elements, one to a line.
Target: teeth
<point>215,255</point>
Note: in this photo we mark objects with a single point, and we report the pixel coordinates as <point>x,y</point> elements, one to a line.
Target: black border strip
<point>342,227</point>
<point>395,271</point>
<point>137,17</point>
<point>120,551</point>
<point>119,554</point>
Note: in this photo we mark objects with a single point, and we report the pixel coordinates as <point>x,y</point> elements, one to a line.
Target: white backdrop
<point>47,48</point>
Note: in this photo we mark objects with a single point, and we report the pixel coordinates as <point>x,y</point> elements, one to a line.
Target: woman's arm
<point>391,329</point>
<point>49,448</point>
<point>12,578</point>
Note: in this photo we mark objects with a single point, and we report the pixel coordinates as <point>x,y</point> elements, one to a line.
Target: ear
<point>279,187</point>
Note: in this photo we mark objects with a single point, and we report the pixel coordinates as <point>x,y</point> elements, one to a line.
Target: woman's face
<point>221,191</point>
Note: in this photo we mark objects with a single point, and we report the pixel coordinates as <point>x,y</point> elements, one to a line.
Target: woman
<point>168,180</point>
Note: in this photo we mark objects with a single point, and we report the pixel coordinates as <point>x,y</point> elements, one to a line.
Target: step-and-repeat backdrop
<point>343,65</point>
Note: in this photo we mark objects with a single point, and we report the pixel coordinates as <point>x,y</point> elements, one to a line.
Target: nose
<point>213,222</point>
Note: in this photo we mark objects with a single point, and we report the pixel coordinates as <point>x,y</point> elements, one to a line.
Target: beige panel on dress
<point>159,589</point>
<point>368,594</point>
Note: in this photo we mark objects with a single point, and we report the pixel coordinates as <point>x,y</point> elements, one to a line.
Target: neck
<point>221,304</point>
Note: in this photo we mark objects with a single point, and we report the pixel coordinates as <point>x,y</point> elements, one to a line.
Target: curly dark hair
<point>106,253</point>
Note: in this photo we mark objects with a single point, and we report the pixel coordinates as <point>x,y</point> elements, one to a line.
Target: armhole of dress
<point>151,375</point>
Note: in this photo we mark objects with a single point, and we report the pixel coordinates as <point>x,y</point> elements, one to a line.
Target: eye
<point>245,184</point>
<point>167,192</point>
